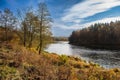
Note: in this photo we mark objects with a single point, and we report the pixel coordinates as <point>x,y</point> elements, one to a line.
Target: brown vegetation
<point>105,36</point>
<point>19,63</point>
<point>32,29</point>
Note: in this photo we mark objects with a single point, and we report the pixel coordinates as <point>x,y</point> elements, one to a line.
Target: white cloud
<point>80,26</point>
<point>104,20</point>
<point>88,8</point>
<point>83,10</point>
<point>65,27</point>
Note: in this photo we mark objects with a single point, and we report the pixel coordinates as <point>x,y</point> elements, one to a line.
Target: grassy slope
<point>19,63</point>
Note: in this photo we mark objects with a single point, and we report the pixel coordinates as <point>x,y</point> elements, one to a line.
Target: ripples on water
<point>106,58</point>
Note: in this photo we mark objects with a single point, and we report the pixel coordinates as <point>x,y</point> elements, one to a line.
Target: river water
<point>105,58</point>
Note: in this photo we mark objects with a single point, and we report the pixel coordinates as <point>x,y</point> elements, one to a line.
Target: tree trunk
<point>41,41</point>
<point>24,41</point>
<point>6,34</point>
<point>31,40</point>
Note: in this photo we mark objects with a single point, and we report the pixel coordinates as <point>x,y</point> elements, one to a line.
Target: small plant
<point>8,73</point>
<point>63,59</point>
<point>94,64</point>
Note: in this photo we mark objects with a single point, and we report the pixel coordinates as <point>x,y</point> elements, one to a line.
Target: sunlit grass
<point>26,64</point>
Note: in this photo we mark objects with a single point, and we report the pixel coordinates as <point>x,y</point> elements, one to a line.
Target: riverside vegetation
<point>101,35</point>
<point>20,63</point>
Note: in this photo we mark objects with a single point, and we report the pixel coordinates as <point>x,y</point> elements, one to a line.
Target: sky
<point>70,15</point>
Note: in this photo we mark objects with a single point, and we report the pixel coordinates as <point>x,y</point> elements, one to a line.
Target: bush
<point>63,59</point>
<point>8,73</point>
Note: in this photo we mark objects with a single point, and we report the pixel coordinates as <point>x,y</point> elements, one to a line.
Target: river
<point>105,58</point>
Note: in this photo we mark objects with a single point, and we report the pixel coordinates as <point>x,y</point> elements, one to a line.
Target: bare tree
<point>44,18</point>
<point>31,23</point>
<point>22,30</point>
<point>8,21</point>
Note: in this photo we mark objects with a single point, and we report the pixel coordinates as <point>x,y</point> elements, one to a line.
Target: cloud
<point>67,27</point>
<point>104,20</point>
<point>80,26</point>
<point>88,8</point>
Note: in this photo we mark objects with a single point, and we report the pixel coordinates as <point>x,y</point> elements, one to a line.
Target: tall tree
<point>22,30</point>
<point>31,23</point>
<point>44,18</point>
<point>28,25</point>
<point>8,21</point>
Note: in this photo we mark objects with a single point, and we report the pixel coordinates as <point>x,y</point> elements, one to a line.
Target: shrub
<point>8,73</point>
<point>63,59</point>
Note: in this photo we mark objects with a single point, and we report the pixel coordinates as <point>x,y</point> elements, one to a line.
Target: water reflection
<point>60,48</point>
<point>106,58</point>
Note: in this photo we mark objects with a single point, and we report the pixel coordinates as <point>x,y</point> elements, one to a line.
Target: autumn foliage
<point>101,35</point>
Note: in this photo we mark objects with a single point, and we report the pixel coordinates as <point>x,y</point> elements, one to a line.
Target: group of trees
<point>31,26</point>
<point>101,34</point>
<point>60,38</point>
<point>7,21</point>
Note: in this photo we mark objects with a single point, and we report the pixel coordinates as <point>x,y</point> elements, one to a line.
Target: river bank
<point>113,47</point>
<point>19,63</point>
<point>105,58</point>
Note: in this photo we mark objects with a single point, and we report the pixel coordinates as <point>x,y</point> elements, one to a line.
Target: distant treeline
<point>60,38</point>
<point>101,35</point>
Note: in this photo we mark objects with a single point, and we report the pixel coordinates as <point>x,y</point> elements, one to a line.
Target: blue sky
<point>69,15</point>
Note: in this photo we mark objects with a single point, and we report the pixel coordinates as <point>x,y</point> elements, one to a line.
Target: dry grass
<point>19,63</point>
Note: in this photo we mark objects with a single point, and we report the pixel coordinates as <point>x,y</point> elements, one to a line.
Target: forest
<point>100,35</point>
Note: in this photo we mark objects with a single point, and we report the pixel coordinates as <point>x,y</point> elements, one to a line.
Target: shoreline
<point>28,64</point>
<point>84,60</point>
<point>99,47</point>
<point>86,54</point>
